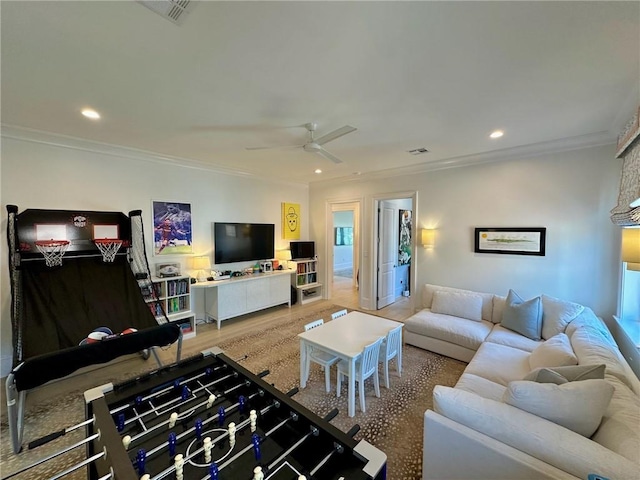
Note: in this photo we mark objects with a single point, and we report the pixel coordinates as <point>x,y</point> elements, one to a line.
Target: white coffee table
<point>345,337</point>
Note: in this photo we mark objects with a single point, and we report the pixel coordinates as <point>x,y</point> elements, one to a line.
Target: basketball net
<point>108,247</point>
<point>52,251</point>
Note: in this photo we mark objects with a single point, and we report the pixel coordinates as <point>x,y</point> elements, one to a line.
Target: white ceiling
<point>440,75</point>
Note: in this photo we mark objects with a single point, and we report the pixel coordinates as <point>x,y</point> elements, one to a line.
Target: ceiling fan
<point>314,145</point>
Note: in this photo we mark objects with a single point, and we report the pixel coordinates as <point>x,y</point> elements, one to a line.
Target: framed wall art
<point>512,241</point>
<point>171,228</point>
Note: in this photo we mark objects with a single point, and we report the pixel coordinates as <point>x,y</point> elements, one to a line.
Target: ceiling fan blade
<point>329,156</point>
<point>335,134</point>
<point>274,147</point>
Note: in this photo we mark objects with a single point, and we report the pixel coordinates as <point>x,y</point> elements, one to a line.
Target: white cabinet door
<point>257,294</point>
<point>280,289</point>
<point>232,299</point>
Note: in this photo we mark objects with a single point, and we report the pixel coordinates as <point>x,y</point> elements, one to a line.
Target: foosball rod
<point>168,389</point>
<point>84,463</point>
<point>337,448</point>
<point>54,455</point>
<point>52,436</point>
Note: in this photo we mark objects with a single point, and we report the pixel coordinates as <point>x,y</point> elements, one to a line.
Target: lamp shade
<point>201,263</point>
<point>631,248</point>
<point>283,255</point>
<point>427,237</point>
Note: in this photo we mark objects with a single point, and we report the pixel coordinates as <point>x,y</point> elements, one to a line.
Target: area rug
<point>393,422</point>
<point>347,272</point>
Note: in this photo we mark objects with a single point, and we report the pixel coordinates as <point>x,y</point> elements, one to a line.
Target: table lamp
<point>203,266</point>
<point>284,256</point>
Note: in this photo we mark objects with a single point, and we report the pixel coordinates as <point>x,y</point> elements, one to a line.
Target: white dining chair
<point>322,358</point>
<point>338,314</point>
<point>366,366</point>
<point>391,348</point>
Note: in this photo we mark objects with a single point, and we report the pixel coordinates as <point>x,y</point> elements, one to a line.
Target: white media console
<point>224,299</point>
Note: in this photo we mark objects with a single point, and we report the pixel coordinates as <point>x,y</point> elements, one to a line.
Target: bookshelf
<point>306,281</point>
<point>173,297</point>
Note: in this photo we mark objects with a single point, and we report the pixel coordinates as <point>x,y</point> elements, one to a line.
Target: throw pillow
<point>555,352</point>
<point>578,406</point>
<point>523,317</point>
<point>457,304</point>
<point>557,314</point>
<point>571,373</point>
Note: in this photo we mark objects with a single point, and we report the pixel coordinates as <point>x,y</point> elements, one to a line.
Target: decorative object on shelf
<point>266,266</point>
<point>428,237</point>
<point>513,241</point>
<point>167,270</point>
<point>171,228</point>
<point>203,266</point>
<point>290,221</point>
<point>404,238</point>
<point>631,248</point>
<point>343,236</point>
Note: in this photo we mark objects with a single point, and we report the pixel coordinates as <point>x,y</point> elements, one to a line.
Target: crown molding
<point>514,153</point>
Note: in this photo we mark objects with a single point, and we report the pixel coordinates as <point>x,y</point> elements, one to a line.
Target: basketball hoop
<point>108,247</point>
<point>52,251</point>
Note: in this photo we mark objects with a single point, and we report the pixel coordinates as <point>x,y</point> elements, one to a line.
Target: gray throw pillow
<point>570,373</point>
<point>523,317</point>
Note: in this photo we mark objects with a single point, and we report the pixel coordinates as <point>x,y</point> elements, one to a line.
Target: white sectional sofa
<point>513,414</point>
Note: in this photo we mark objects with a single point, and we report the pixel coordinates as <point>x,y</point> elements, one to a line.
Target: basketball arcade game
<point>209,418</point>
<point>72,272</point>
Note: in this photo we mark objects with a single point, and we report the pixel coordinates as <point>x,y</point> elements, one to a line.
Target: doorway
<point>343,245</point>
<point>394,258</point>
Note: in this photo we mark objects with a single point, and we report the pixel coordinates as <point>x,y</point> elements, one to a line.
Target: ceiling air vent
<point>172,10</point>
<point>418,151</point>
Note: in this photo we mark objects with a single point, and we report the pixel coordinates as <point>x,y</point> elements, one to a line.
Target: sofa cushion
<point>557,314</point>
<point>571,373</point>
<point>535,436</point>
<point>487,298</point>
<point>457,304</point>
<point>619,430</point>
<point>524,317</point>
<point>481,386</point>
<point>578,406</point>
<point>498,307</point>
<point>460,331</point>
<point>504,336</point>
<point>555,352</point>
<point>499,363</point>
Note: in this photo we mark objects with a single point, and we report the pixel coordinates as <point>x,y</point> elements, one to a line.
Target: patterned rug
<point>347,272</point>
<point>393,422</point>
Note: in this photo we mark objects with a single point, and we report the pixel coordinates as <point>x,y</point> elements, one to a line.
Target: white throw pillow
<point>557,314</point>
<point>457,304</point>
<point>523,317</point>
<point>578,406</point>
<point>570,373</point>
<point>555,352</point>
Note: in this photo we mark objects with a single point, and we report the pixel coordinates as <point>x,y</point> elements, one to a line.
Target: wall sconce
<point>631,248</point>
<point>203,266</point>
<point>428,237</point>
<point>284,256</point>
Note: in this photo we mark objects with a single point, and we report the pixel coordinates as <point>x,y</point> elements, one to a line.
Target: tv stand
<point>225,299</point>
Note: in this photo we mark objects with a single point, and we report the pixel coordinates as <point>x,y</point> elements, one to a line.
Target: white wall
<point>569,193</point>
<point>36,175</point>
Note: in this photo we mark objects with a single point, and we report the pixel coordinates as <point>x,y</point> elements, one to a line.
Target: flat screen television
<point>300,250</point>
<point>243,242</point>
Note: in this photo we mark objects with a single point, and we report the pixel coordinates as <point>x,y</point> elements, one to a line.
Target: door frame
<point>354,205</point>
<point>373,265</point>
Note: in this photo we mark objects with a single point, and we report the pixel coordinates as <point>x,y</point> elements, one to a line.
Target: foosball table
<point>207,417</point>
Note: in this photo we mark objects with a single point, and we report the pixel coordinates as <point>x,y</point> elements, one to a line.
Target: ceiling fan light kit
<point>314,145</point>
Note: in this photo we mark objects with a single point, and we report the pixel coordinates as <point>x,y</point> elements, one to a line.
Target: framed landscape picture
<point>513,241</point>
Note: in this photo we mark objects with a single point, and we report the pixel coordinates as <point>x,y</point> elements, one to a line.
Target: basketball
<point>129,330</point>
<point>105,330</point>
<point>94,336</point>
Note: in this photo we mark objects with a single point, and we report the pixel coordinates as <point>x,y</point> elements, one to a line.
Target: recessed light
<point>317,170</point>
<point>497,134</point>
<point>90,113</point>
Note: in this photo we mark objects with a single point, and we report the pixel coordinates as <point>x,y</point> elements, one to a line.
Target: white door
<point>387,223</point>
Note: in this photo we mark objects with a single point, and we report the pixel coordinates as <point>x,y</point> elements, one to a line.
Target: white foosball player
<point>126,441</point>
<point>173,419</point>
<point>179,464</point>
<point>212,398</point>
<point>208,446</point>
<point>257,474</point>
<point>253,417</point>
<point>232,435</point>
